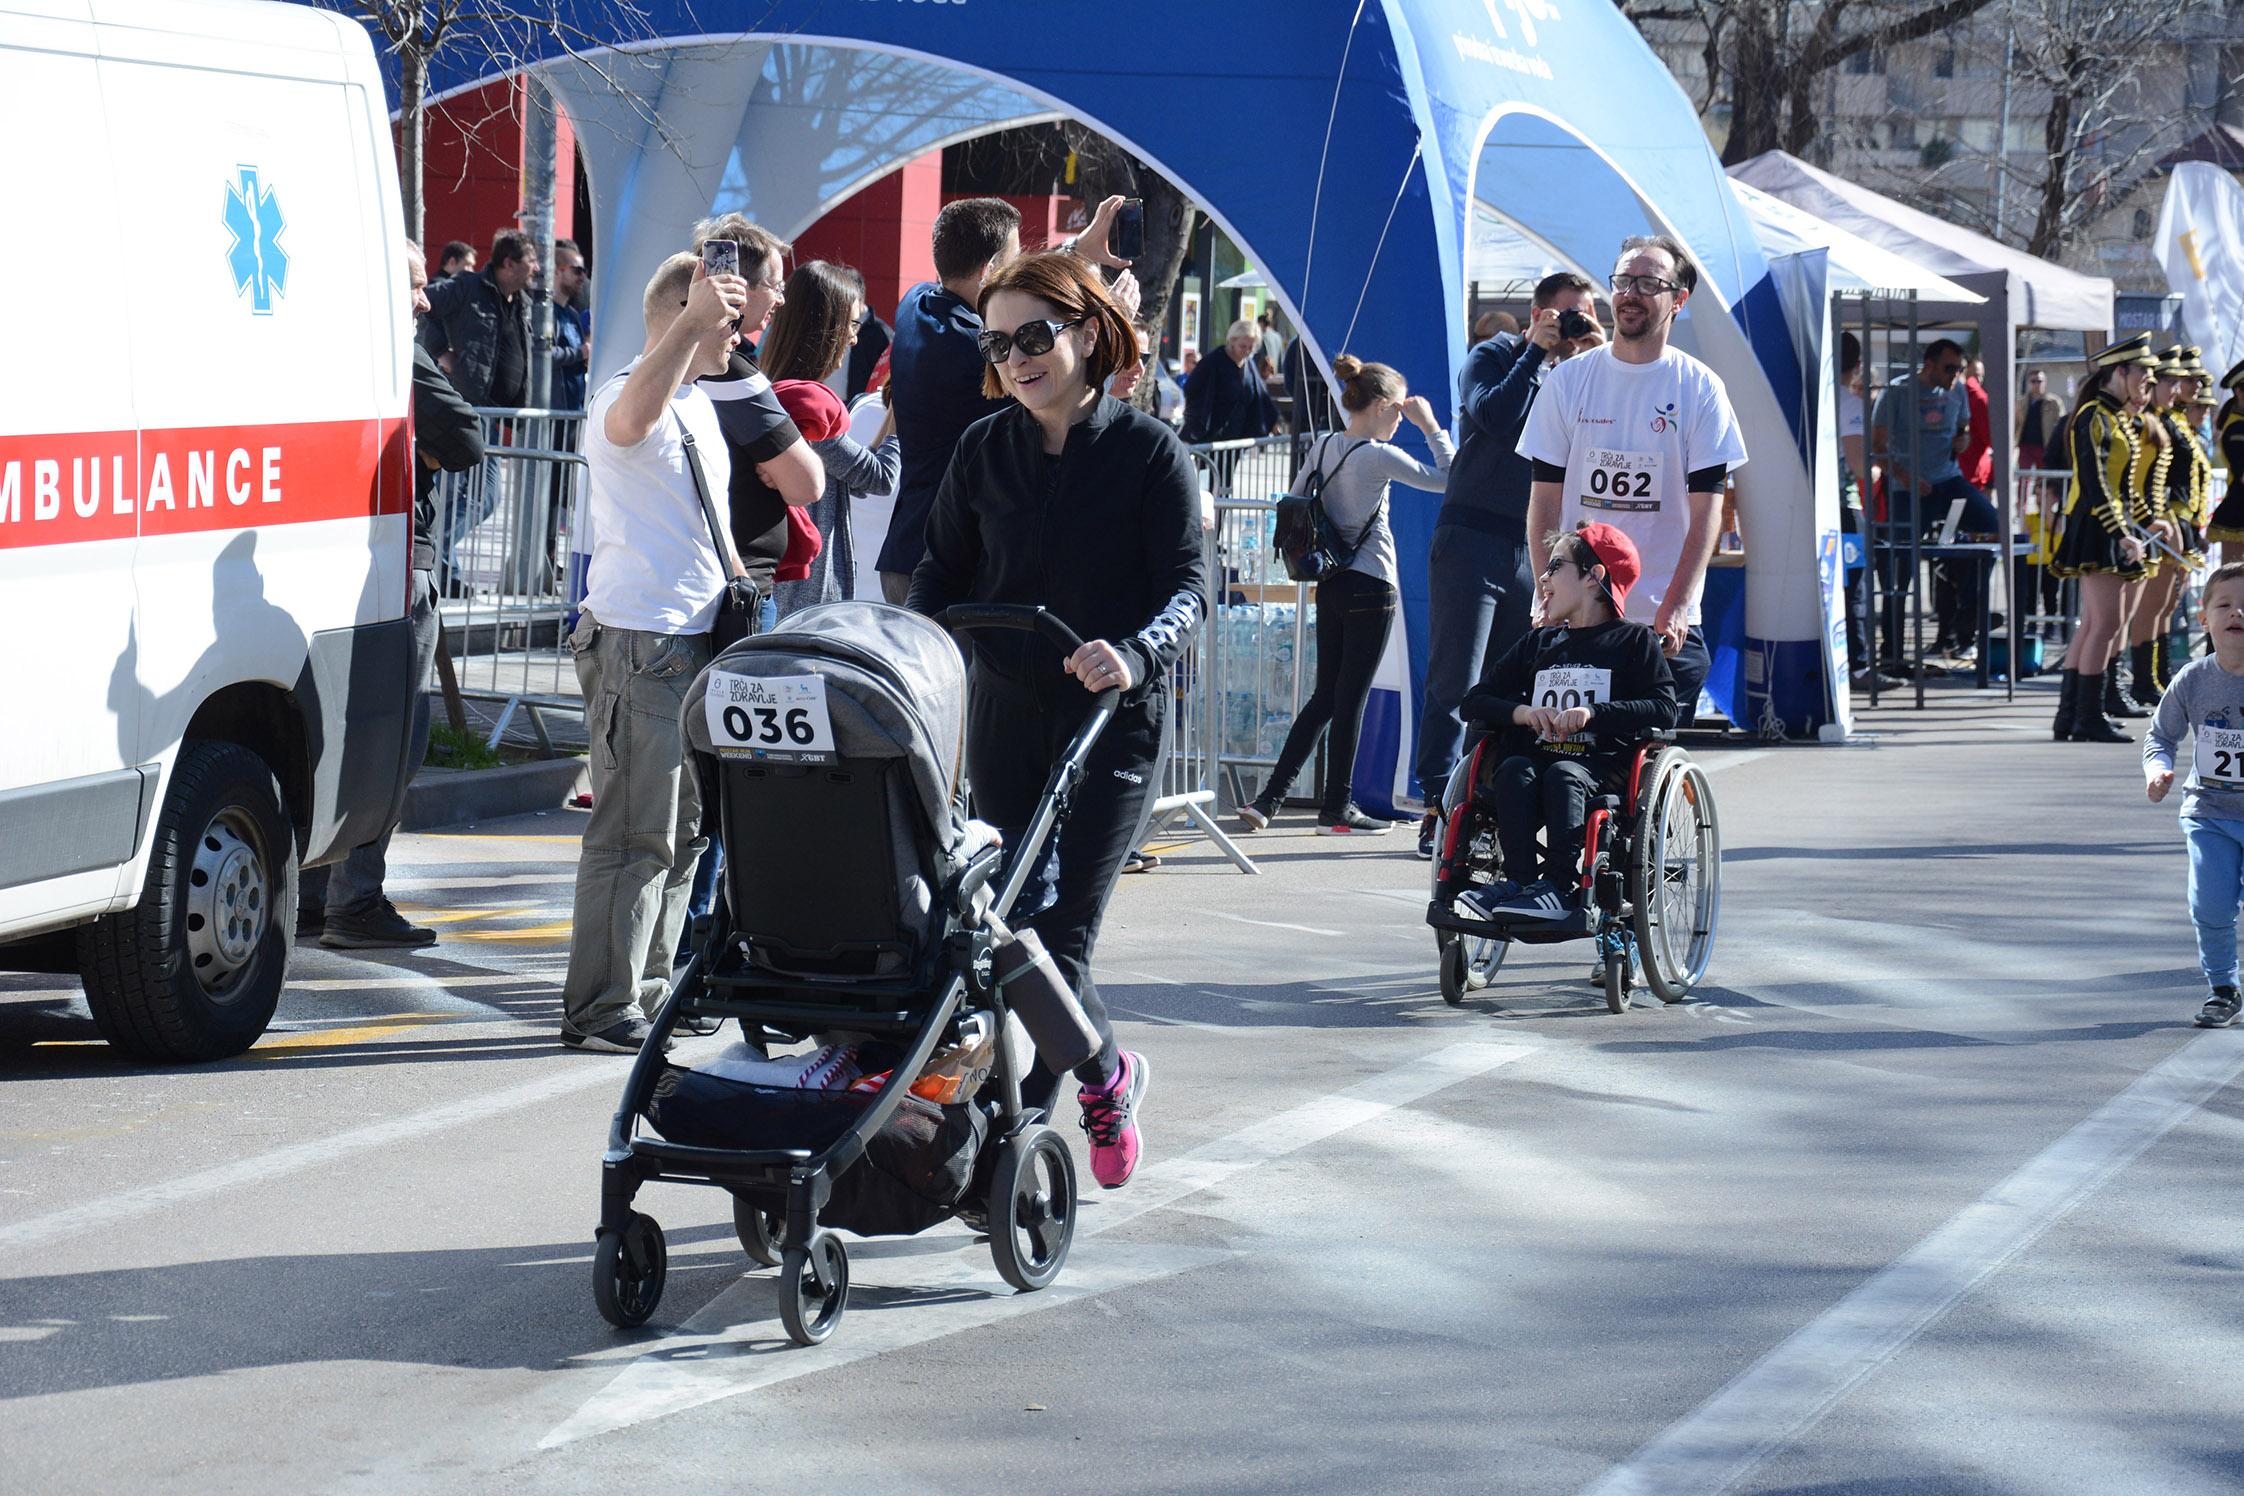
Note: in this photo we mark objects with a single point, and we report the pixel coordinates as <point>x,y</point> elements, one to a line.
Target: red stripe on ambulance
<point>108,485</point>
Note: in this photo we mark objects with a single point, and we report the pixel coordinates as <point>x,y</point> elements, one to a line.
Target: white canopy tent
<point>2019,290</point>
<point>1503,256</point>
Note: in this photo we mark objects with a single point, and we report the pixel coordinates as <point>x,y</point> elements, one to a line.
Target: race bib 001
<point>1562,687</point>
<point>1624,481</point>
<point>2220,758</point>
<point>782,718</point>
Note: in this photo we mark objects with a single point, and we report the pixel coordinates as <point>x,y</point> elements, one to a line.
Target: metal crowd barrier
<point>511,536</point>
<point>503,536</point>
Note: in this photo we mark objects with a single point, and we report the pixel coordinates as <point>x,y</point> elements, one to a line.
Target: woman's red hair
<point>1071,285</point>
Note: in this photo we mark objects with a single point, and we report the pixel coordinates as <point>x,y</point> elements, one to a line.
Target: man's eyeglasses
<point>1642,285</point>
<point>1032,338</point>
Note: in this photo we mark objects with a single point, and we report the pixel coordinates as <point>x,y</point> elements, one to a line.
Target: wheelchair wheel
<point>1675,875</point>
<point>1467,961</point>
<point>1616,977</point>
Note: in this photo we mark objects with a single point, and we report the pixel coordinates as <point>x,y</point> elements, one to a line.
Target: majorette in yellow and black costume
<point>2227,525</point>
<point>2189,469</point>
<point>2106,497</point>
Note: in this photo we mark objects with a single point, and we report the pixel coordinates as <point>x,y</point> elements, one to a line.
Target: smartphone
<point>1128,239</point>
<point>720,257</point>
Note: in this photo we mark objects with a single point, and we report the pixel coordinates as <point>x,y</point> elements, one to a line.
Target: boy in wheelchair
<point>1577,694</point>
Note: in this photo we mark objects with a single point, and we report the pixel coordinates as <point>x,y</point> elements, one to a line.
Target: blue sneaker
<point>1482,903</point>
<point>1540,899</point>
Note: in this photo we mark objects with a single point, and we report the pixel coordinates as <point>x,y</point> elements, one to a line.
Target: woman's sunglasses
<point>1032,338</point>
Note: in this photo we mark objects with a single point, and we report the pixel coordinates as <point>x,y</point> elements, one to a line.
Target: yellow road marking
<point>474,836</point>
<point>527,932</point>
<point>335,1038</point>
<point>456,916</point>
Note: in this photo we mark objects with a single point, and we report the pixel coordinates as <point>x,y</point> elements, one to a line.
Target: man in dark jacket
<point>345,905</point>
<point>935,369</point>
<point>1226,398</point>
<point>478,331</point>
<point>1479,590</point>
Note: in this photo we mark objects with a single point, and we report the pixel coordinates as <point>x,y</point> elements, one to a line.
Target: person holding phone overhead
<point>1069,499</point>
<point>1353,469</point>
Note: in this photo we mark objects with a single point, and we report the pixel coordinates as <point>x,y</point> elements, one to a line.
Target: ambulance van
<point>205,497</point>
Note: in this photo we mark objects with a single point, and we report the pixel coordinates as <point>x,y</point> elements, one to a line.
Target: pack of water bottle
<point>1259,643</point>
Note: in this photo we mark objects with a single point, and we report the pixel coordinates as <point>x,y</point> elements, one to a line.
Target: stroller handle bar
<point>1029,618</point>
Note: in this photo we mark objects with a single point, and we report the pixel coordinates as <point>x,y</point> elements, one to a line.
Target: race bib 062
<point>2220,758</point>
<point>1627,481</point>
<point>781,717</point>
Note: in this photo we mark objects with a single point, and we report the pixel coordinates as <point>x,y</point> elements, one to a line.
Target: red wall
<point>471,174</point>
<point>885,232</point>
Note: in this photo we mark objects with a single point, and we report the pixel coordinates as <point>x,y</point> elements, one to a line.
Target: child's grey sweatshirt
<point>2208,703</point>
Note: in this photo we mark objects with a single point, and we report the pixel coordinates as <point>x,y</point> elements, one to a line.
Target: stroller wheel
<point>813,1288</point>
<point>1032,1208</point>
<point>759,1231</point>
<point>628,1268</point>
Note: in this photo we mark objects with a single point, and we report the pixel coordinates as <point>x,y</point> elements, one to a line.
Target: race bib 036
<point>2220,758</point>
<point>1624,481</point>
<point>781,718</point>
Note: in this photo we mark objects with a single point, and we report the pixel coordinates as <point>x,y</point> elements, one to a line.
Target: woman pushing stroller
<point>1072,500</point>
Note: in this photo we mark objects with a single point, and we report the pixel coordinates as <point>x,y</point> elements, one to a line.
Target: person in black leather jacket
<point>1070,499</point>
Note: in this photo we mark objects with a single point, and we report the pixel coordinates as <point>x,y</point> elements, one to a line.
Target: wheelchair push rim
<point>1677,877</point>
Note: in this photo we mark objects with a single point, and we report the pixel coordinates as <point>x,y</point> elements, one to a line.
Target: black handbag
<point>1305,538</point>
<point>740,609</point>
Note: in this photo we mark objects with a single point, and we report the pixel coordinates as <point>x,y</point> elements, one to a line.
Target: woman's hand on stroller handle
<point>1101,667</point>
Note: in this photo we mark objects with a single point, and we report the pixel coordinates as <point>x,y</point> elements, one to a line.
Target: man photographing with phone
<point>1479,587</point>
<point>1640,435</point>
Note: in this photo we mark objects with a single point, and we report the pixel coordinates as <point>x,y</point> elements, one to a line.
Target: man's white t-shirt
<point>653,567</point>
<point>1629,435</point>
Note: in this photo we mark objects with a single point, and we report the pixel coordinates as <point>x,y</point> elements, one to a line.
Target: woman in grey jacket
<point>810,338</point>
<point>1355,605</point>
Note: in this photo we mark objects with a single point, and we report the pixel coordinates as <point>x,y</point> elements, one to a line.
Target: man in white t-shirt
<point>651,593</point>
<point>1640,436</point>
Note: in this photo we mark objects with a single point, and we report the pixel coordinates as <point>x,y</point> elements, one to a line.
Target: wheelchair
<point>1650,885</point>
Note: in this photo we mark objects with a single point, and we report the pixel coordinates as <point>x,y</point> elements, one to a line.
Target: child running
<point>1588,685</point>
<point>2206,699</point>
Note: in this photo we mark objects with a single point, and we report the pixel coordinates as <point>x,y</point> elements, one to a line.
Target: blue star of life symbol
<point>259,263</point>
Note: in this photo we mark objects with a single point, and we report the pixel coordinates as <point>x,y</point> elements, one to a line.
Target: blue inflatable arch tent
<point>1340,143</point>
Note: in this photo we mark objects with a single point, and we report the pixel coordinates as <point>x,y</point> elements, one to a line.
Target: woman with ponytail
<point>1356,604</point>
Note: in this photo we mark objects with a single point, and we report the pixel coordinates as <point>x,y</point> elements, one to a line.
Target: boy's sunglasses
<point>1032,338</point>
<point>1550,568</point>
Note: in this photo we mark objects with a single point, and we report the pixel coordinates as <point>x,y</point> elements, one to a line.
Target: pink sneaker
<point>1110,1116</point>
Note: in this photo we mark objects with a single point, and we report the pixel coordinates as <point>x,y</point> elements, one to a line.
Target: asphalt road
<point>1933,1190</point>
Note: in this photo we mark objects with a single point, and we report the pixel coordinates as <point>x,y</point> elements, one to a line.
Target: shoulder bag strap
<point>727,562</point>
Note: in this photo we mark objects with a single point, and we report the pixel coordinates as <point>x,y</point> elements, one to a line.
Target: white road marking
<point>1781,1396</point>
<point>727,1348</point>
<point>108,1210</point>
<point>1273,924</point>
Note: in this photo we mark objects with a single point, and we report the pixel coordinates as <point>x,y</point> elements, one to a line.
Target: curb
<point>451,797</point>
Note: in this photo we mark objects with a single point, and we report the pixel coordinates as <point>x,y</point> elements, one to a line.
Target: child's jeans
<point>1550,794</point>
<point>2216,887</point>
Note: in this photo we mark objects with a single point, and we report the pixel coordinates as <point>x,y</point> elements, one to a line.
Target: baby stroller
<point>859,908</point>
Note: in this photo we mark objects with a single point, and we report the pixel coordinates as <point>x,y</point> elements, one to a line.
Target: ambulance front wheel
<point>194,970</point>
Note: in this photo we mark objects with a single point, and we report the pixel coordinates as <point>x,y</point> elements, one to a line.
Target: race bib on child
<point>2220,758</point>
<point>1562,687</point>
<point>780,718</point>
<point>1621,481</point>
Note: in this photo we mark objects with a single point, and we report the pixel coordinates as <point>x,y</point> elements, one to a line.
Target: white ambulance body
<point>205,496</point>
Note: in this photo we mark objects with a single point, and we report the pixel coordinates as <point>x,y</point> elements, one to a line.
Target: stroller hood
<point>895,688</point>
